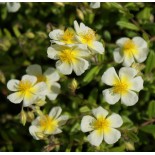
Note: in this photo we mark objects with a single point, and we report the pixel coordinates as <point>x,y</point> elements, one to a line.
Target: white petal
<point>137,84</point>
<point>57,42</point>
<point>55,112</point>
<point>129,99</point>
<point>117,56</point>
<point>64,68</point>
<point>56,34</point>
<point>141,55</point>
<point>140,42</point>
<point>115,120</point>
<point>80,66</point>
<point>15,97</point>
<point>97,47</point>
<point>13,6</point>
<point>112,136</point>
<point>13,84</point>
<point>29,78</point>
<point>128,61</point>
<point>100,112</point>
<point>29,99</point>
<point>53,52</point>
<point>95,5</point>
<point>40,88</point>
<point>57,131</point>
<point>52,75</point>
<point>86,123</point>
<point>120,42</point>
<point>82,50</point>
<point>34,70</point>
<point>110,76</point>
<point>33,129</point>
<point>95,138</point>
<point>62,120</point>
<point>36,121</point>
<point>111,97</point>
<point>127,72</point>
<point>53,91</point>
<point>76,27</point>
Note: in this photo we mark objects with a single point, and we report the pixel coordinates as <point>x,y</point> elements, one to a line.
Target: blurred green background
<point>24,41</point>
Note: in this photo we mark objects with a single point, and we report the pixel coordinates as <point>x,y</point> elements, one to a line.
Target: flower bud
<point>129,146</point>
<point>80,14</point>
<point>73,85</point>
<point>30,116</point>
<point>23,117</point>
<point>40,102</point>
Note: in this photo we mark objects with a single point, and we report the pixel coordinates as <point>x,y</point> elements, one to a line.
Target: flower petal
<point>80,65</point>
<point>97,47</point>
<point>115,120</point>
<point>76,27</point>
<point>56,34</point>
<point>29,78</point>
<point>95,137</point>
<point>62,120</point>
<point>97,112</point>
<point>33,129</point>
<point>13,6</point>
<point>128,60</point>
<point>112,136</point>
<point>34,70</point>
<point>120,42</point>
<point>13,84</point>
<point>110,76</point>
<point>140,42</point>
<point>15,97</point>
<point>82,50</point>
<point>95,5</point>
<point>111,97</point>
<point>137,84</point>
<point>129,99</point>
<point>86,123</point>
<point>40,88</point>
<point>55,112</point>
<point>127,72</point>
<point>52,75</point>
<point>117,56</point>
<point>64,68</point>
<point>57,131</point>
<point>53,51</point>
<point>29,99</point>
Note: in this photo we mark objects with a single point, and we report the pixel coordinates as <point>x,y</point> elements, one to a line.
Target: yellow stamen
<point>48,124</point>
<point>68,36</point>
<point>68,56</point>
<point>129,48</point>
<point>41,78</point>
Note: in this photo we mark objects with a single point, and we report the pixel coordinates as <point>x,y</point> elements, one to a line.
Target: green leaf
<point>151,109</point>
<point>149,129</point>
<point>144,14</point>
<point>127,25</point>
<point>150,62</point>
<point>132,136</point>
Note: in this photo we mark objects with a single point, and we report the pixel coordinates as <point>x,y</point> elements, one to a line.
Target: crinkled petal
<point>76,27</point>
<point>64,68</point>
<point>97,47</point>
<point>130,98</point>
<point>117,56</point>
<point>35,122</point>
<point>112,136</point>
<point>62,120</point>
<point>137,84</point>
<point>86,123</point>
<point>34,70</point>
<point>80,65</point>
<point>115,120</point>
<point>140,42</point>
<point>29,78</point>
<point>82,50</point>
<point>40,88</point>
<point>120,42</point>
<point>128,60</point>
<point>97,112</point>
<point>13,6</point>
<point>33,130</point>
<point>56,34</point>
<point>110,76</point>
<point>29,99</point>
<point>52,52</point>
<point>95,137</point>
<point>55,112</point>
<point>95,5</point>
<point>15,97</point>
<point>57,131</point>
<point>111,97</point>
<point>13,84</point>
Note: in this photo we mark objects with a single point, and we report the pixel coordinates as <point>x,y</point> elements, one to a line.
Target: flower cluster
<point>73,51</point>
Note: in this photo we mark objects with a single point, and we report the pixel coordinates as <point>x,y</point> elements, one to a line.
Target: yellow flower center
<point>68,36</point>
<point>129,48</point>
<point>122,86</point>
<point>101,124</point>
<point>88,37</point>
<point>41,78</point>
<point>68,56</point>
<point>48,124</point>
<point>25,86</point>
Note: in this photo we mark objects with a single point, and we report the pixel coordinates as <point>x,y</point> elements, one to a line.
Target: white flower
<point>26,90</point>
<point>13,6</point>
<point>124,86</point>
<point>95,5</point>
<point>131,50</point>
<point>102,127</point>
<point>69,58</point>
<point>48,124</point>
<point>86,35</point>
<point>50,77</point>
<point>63,37</point>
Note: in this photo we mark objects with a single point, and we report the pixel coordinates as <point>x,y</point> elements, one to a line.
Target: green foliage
<point>24,41</point>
